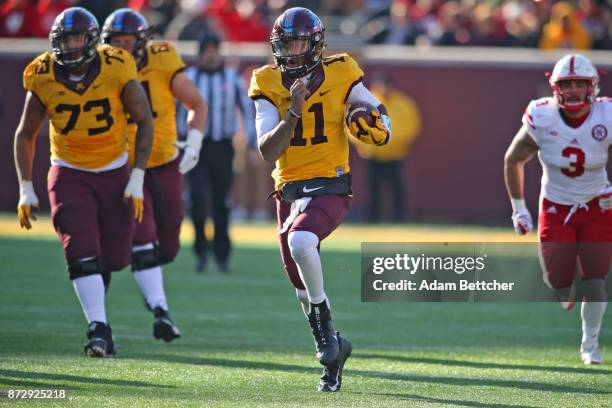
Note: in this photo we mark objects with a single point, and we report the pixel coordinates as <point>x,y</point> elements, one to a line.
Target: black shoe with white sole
<point>331,380</point>
<point>100,342</point>
<point>163,327</point>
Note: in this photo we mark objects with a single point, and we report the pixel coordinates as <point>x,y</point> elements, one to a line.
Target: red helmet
<point>298,41</point>
<point>80,25</point>
<point>574,67</point>
<point>126,21</point>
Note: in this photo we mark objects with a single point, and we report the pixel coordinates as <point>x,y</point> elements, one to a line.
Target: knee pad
<point>80,268</point>
<point>302,243</point>
<point>145,258</point>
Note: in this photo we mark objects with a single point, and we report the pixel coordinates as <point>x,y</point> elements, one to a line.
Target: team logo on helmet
<point>599,132</point>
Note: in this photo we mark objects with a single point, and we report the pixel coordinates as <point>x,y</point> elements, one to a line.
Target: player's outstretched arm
<point>25,144</point>
<point>136,103</point>
<point>521,150</point>
<point>274,143</point>
<point>189,96</point>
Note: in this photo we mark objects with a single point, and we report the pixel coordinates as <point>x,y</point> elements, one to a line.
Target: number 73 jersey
<point>319,146</point>
<point>573,159</point>
<point>87,123</point>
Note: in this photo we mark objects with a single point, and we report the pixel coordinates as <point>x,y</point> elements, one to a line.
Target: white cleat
<point>591,355</point>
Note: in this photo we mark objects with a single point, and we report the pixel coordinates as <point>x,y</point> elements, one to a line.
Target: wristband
<point>518,204</point>
<point>292,113</point>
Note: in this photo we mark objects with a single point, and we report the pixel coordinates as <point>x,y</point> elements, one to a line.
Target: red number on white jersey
<point>576,168</point>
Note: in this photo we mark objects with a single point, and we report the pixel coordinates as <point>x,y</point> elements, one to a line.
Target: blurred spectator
<point>597,19</point>
<point>18,18</point>
<point>385,162</point>
<point>190,23</point>
<point>449,29</point>
<point>521,23</point>
<point>564,30</point>
<point>400,30</point>
<point>101,9</point>
<point>238,20</point>
<point>159,13</point>
<point>46,12</point>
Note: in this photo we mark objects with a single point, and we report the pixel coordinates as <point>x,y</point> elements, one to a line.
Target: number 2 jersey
<point>319,146</point>
<point>573,159</point>
<point>87,123</point>
<point>156,71</point>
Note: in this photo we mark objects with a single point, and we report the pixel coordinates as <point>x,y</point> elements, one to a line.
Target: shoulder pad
<point>40,67</point>
<point>159,47</point>
<point>606,104</point>
<point>540,113</point>
<point>111,54</point>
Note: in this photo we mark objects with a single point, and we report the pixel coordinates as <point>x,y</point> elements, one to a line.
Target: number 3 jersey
<point>319,146</point>
<point>573,159</point>
<point>156,71</point>
<point>87,123</point>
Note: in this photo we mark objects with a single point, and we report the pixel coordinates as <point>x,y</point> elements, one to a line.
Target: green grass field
<point>246,343</point>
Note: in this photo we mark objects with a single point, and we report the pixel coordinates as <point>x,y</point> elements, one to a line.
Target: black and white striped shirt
<point>223,89</point>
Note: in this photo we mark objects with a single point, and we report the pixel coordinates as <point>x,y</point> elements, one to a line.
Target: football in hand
<point>360,110</point>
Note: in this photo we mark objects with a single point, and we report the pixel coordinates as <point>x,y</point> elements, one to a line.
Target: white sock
<point>303,247</point>
<point>592,314</point>
<point>151,283</point>
<point>302,296</point>
<point>90,291</point>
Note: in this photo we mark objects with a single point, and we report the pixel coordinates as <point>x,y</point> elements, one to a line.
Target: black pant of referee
<point>212,177</point>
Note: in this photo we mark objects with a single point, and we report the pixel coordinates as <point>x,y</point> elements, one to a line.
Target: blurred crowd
<point>581,24</point>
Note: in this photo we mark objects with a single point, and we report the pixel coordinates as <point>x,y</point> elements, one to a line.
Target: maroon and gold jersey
<point>87,122</point>
<point>160,64</point>
<point>319,147</point>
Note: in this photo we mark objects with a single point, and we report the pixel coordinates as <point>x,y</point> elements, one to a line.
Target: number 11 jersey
<point>319,145</point>
<point>573,159</point>
<point>87,122</point>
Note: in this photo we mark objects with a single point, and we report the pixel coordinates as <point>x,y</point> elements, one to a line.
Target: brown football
<point>360,110</point>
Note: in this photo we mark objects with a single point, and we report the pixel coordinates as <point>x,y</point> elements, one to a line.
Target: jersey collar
<point>62,76</point>
<point>315,79</point>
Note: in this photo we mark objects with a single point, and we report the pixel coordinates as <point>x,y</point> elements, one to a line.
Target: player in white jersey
<point>569,131</point>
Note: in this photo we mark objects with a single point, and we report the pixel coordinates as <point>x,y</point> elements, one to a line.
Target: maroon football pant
<point>163,210</point>
<point>90,215</point>
<point>586,238</point>
<point>321,217</point>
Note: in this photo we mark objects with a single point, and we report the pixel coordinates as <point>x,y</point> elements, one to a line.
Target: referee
<point>223,88</point>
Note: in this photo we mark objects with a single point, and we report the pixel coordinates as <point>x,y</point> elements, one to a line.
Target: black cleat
<point>163,327</point>
<point>326,342</point>
<point>100,342</point>
<point>331,380</point>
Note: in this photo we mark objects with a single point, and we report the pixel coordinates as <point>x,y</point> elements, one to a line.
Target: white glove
<point>191,150</point>
<point>605,199</point>
<point>27,201</point>
<point>134,191</point>
<point>521,218</point>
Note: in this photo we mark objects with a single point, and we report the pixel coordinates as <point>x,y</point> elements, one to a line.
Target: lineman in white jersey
<point>570,133</point>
